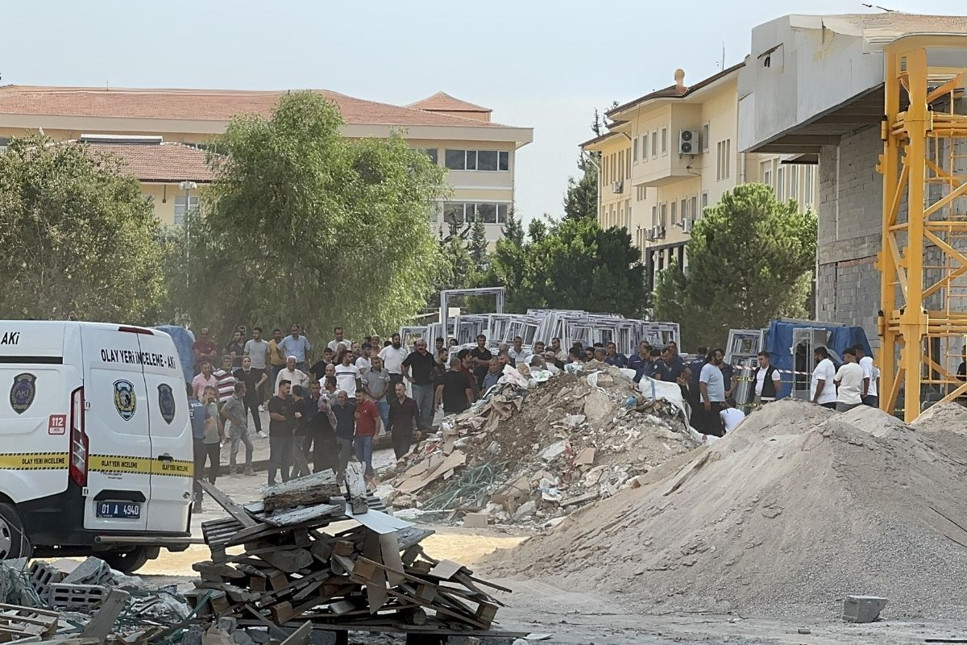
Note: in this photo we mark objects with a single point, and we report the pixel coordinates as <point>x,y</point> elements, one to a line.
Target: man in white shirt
<point>822,391</point>
<point>340,338</point>
<point>711,385</point>
<point>292,374</point>
<point>517,353</point>
<point>258,351</point>
<point>731,415</point>
<point>767,380</point>
<point>348,377</point>
<point>363,363</point>
<point>849,381</point>
<point>393,356</point>
<point>871,396</point>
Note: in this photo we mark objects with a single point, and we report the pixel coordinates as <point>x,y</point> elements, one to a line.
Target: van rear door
<point>169,426</point>
<point>117,425</point>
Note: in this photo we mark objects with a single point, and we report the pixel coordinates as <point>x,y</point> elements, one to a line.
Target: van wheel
<point>128,561</point>
<point>13,542</point>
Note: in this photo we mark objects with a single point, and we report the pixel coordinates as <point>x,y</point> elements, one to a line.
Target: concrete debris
<point>528,455</point>
<point>862,609</point>
<point>798,505</point>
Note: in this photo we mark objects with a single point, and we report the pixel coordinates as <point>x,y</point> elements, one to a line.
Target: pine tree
<point>513,229</point>
<point>477,247</point>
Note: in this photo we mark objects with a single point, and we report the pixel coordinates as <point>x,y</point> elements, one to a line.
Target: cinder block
<point>863,609</point>
<point>475,520</point>
<point>76,597</point>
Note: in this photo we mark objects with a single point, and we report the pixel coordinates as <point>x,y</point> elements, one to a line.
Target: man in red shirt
<point>205,349</point>
<point>367,424</point>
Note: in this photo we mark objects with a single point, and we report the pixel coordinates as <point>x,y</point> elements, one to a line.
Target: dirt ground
<point>574,617</point>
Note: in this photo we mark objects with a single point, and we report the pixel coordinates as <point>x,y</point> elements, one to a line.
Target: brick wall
<point>850,213</point>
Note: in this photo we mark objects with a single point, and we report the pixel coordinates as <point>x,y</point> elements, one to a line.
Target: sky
<point>537,63</point>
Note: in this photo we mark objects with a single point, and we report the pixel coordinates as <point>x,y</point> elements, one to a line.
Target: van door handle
<point>165,458</point>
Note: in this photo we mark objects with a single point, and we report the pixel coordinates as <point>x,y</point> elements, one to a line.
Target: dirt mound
<point>943,417</point>
<point>537,453</point>
<point>792,511</point>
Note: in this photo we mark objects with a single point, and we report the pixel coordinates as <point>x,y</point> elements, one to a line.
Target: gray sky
<point>544,64</point>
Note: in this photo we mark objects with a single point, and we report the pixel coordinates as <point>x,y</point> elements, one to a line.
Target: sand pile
<point>794,510</point>
<point>530,455</point>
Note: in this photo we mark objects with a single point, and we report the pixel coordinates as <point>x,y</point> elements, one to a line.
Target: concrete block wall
<point>850,212</point>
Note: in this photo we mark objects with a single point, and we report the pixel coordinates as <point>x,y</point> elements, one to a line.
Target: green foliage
<point>513,229</point>
<point>573,265</point>
<point>76,235</point>
<point>750,259</point>
<point>477,246</point>
<point>303,225</point>
<point>581,197</point>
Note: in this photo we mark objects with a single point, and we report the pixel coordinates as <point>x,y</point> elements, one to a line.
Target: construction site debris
<point>288,571</point>
<point>862,609</point>
<point>536,453</point>
<point>797,506</point>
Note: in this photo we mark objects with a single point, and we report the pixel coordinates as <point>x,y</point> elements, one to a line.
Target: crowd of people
<point>324,408</point>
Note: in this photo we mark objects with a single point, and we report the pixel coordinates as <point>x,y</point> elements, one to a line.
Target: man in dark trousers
<point>403,415</point>
<point>767,380</point>
<point>254,381</point>
<point>282,420</point>
<point>455,392</point>
<point>200,419</point>
<point>345,411</point>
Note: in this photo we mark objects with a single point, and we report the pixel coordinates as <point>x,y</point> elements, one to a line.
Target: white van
<point>95,442</point>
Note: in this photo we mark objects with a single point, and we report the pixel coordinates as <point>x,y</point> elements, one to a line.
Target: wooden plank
<point>233,509</point>
<point>102,624</point>
<point>288,560</point>
<point>274,629</point>
<point>446,569</point>
<point>389,547</point>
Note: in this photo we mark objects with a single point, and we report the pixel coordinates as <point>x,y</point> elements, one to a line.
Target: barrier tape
<point>114,464</point>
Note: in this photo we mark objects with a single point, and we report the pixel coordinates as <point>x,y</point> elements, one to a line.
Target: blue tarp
<point>778,343</point>
<point>184,340</point>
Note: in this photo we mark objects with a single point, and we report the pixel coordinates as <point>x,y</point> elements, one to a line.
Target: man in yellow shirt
<point>276,357</point>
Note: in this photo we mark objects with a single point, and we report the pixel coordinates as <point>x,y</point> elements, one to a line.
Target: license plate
<point>124,510</point>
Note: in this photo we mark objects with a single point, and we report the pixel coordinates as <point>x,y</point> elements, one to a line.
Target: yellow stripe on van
<point>33,461</point>
<point>139,465</point>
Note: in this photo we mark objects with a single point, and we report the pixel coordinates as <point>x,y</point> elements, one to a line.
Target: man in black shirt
<point>418,370</point>
<point>403,415</point>
<point>345,412</point>
<point>281,422</point>
<point>481,356</point>
<point>454,392</point>
<point>236,349</point>
<point>253,379</point>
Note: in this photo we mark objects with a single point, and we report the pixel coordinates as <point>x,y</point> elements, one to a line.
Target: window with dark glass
<point>486,160</point>
<point>455,159</point>
<point>487,213</point>
<point>504,162</point>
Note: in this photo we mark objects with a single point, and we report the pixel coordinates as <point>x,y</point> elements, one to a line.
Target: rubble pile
<point>788,514</point>
<point>290,571</point>
<point>534,453</point>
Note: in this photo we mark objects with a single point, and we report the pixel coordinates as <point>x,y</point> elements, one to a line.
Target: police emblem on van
<point>125,399</point>
<point>166,402</point>
<point>22,393</point>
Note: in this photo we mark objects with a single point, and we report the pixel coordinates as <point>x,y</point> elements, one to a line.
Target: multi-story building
<point>669,154</point>
<point>156,130</point>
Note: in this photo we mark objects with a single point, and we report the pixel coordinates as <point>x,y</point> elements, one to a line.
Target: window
<point>683,210</point>
<point>693,213</point>
<point>644,147</point>
<point>453,212</point>
<point>664,141</point>
<point>809,188</point>
<point>705,135</point>
<point>641,193</point>
<point>704,203</point>
<point>180,207</point>
<point>634,150</point>
<point>654,215</point>
<point>794,183</point>
<point>432,154</point>
<point>662,217</point>
<point>723,168</point>
<point>654,143</point>
<point>781,183</point>
<point>766,172</point>
<point>628,163</point>
<point>483,160</point>
<point>674,212</point>
<point>466,212</point>
<point>487,160</point>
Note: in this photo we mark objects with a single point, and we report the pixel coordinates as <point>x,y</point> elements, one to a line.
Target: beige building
<point>162,134</point>
<point>669,154</point>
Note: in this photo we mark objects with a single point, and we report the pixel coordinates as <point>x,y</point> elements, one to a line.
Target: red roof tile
<point>202,105</point>
<point>164,162</point>
<point>443,102</point>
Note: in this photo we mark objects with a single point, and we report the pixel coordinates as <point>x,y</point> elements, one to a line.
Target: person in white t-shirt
<point>871,375</point>
<point>731,415</point>
<point>822,391</point>
<point>363,363</point>
<point>393,356</point>
<point>849,382</point>
<point>348,376</point>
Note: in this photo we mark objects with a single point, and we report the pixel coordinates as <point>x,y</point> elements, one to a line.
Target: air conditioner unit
<point>650,234</point>
<point>618,186</point>
<point>687,226</point>
<point>688,142</point>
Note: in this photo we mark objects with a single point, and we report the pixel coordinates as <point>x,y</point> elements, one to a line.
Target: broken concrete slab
<point>863,609</point>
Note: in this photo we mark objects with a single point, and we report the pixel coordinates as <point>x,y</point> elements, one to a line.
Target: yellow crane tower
<point>923,262</point>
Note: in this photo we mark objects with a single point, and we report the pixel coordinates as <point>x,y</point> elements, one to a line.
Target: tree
<point>575,265</point>
<point>750,259</point>
<point>581,196</point>
<point>477,247</point>
<point>537,230</point>
<point>458,263</point>
<point>77,234</point>
<point>513,229</point>
<point>303,225</point>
